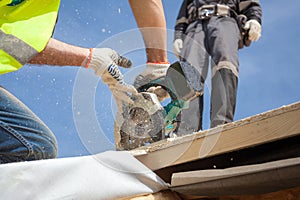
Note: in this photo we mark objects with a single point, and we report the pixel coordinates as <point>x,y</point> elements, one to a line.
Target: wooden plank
<point>290,194</point>
<point>242,180</point>
<point>270,126</point>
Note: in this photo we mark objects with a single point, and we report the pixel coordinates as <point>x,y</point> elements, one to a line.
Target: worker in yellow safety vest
<point>26,27</point>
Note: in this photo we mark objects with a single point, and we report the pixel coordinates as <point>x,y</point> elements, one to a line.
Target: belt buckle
<point>205,13</point>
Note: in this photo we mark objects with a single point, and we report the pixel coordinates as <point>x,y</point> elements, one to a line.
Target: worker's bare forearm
<point>150,18</point>
<point>58,53</point>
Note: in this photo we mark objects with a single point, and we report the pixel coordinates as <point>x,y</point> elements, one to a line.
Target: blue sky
<point>269,70</point>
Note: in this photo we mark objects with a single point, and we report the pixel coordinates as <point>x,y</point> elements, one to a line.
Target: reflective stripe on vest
<point>16,48</point>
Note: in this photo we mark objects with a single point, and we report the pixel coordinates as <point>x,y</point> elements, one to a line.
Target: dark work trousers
<point>218,38</point>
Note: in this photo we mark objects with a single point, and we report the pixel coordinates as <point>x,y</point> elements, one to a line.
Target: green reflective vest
<point>25,28</point>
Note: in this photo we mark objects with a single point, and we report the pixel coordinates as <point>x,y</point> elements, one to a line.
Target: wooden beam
<point>290,194</point>
<point>269,152</point>
<point>242,180</point>
<point>259,129</point>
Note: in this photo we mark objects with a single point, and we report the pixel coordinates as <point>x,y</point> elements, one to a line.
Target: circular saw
<point>147,120</point>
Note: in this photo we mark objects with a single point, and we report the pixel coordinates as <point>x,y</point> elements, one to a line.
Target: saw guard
<point>142,123</point>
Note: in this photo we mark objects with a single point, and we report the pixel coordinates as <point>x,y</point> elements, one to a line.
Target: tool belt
<point>207,11</point>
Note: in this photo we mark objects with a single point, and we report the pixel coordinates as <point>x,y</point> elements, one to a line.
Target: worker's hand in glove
<point>177,46</point>
<point>152,72</point>
<point>254,28</point>
<point>104,62</point>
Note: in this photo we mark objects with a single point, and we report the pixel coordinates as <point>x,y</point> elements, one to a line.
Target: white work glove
<point>104,62</point>
<point>177,47</point>
<point>254,28</point>
<point>152,72</point>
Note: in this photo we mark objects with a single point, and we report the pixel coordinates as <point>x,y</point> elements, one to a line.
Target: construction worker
<point>26,27</point>
<point>215,28</point>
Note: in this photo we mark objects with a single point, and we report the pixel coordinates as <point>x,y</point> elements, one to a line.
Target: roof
<point>233,158</point>
<point>253,156</point>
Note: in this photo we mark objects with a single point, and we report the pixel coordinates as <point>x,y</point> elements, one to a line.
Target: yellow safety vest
<point>25,29</point>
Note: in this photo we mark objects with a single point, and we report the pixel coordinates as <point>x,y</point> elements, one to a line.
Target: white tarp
<point>109,175</point>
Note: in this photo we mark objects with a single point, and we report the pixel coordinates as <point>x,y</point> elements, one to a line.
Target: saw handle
<point>176,83</point>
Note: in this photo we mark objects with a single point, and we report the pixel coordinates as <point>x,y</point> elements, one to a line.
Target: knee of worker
<point>41,145</point>
<point>44,148</point>
<point>224,88</point>
<point>20,149</point>
<point>225,69</point>
<point>225,79</point>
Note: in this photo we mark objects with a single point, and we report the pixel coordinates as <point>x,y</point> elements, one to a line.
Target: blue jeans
<point>23,136</point>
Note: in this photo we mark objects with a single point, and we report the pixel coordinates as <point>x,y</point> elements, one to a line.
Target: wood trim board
<point>266,127</point>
